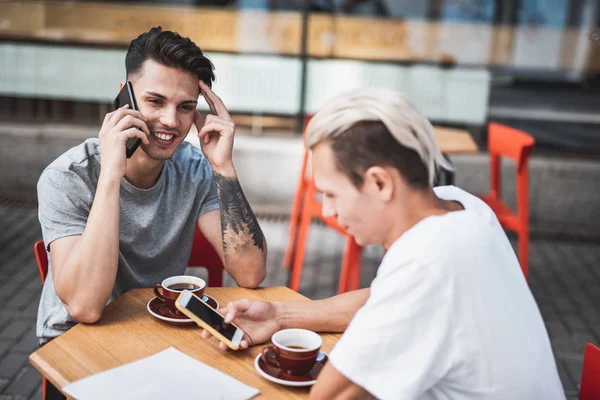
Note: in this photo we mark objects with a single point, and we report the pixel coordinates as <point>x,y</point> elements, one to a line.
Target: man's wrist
<point>227,171</point>
<point>108,180</point>
<point>280,314</point>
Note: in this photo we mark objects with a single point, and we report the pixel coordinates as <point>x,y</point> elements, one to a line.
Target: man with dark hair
<point>449,315</point>
<point>111,224</point>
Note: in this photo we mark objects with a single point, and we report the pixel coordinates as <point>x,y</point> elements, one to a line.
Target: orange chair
<point>306,207</point>
<point>42,259</point>
<point>202,254</point>
<point>504,141</point>
<point>39,249</point>
<point>590,376</point>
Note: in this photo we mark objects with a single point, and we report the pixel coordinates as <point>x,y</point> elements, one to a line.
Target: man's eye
<point>154,101</point>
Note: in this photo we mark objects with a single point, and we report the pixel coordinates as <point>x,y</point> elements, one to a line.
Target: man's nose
<point>168,117</point>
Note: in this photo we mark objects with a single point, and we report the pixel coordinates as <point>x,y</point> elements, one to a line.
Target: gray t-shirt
<point>156,225</point>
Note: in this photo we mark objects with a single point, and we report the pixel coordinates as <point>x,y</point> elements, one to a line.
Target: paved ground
<point>564,280</point>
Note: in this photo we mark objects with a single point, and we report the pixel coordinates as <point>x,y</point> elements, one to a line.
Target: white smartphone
<point>208,318</point>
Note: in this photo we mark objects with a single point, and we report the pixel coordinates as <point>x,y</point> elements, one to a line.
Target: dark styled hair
<point>169,49</point>
<point>369,143</point>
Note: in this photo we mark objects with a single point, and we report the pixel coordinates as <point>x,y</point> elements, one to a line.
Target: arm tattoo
<point>236,214</point>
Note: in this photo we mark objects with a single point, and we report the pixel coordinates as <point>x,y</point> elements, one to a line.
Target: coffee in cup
<point>294,351</point>
<point>173,286</point>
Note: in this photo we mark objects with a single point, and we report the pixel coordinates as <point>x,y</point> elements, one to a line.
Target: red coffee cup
<point>173,286</point>
<point>294,351</point>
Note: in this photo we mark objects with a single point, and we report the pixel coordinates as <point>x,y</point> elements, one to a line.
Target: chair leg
<point>50,392</point>
<point>350,273</point>
<point>524,253</point>
<point>288,256</point>
<point>354,281</point>
<point>299,252</point>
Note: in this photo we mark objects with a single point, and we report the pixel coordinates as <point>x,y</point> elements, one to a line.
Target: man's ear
<point>380,181</point>
<point>121,86</point>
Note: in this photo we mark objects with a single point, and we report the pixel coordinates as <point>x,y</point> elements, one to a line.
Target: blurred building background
<point>531,64</point>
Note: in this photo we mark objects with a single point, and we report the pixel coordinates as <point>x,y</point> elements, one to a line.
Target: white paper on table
<point>169,374</point>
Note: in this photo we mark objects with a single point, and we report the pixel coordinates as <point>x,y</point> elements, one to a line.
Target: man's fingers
<point>135,132</point>
<point>235,308</point>
<point>214,102</point>
<point>206,334</point>
<point>222,311</point>
<point>131,121</point>
<point>244,344</point>
<point>211,127</point>
<point>223,346</point>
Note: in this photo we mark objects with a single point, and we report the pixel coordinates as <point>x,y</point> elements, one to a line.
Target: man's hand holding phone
<point>119,126</point>
<point>258,319</point>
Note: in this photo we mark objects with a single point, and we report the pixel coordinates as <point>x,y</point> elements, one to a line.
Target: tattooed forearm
<point>237,218</point>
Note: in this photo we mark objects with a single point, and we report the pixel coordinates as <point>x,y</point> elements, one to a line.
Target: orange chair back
<point>504,141</point>
<point>590,377</point>
<point>509,142</point>
<point>42,259</point>
<point>204,255</point>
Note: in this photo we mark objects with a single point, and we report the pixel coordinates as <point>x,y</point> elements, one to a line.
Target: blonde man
<point>449,315</point>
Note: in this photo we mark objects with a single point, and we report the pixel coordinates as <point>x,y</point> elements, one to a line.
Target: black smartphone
<point>126,97</point>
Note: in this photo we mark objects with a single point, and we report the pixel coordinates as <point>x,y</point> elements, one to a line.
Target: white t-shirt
<point>450,316</point>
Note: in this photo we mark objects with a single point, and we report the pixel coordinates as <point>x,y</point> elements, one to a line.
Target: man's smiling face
<point>167,97</point>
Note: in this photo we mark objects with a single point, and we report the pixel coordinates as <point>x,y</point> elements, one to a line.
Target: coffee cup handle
<point>267,356</point>
<point>157,292</point>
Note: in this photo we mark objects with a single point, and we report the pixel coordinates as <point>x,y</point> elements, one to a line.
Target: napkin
<point>169,374</point>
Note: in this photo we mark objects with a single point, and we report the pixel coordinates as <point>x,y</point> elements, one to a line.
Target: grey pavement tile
<point>576,323</point>
<point>5,346</point>
<point>21,299</point>
<point>25,383</point>
<point>37,395</point>
<point>12,397</point>
<point>28,343</point>
<point>12,363</point>
<point>565,377</point>
<point>575,367</point>
<point>565,304</point>
<point>6,316</point>
<point>3,384</point>
<point>35,284</point>
<point>15,329</point>
<point>32,308</point>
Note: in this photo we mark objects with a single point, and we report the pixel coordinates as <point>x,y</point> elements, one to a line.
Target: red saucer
<point>159,309</point>
<point>276,375</point>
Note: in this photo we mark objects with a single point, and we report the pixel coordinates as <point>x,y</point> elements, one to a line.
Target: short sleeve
<point>398,344</point>
<point>208,189</point>
<point>64,204</point>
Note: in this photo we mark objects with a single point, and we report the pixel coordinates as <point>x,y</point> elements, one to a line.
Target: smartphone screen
<point>126,97</point>
<point>212,318</point>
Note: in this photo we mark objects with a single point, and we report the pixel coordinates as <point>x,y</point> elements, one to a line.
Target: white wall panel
<point>248,83</point>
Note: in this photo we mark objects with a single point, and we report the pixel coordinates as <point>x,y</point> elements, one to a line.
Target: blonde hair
<point>397,113</point>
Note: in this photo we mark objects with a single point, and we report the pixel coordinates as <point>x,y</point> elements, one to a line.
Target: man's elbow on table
<point>85,313</point>
<point>252,276</point>
<point>252,281</point>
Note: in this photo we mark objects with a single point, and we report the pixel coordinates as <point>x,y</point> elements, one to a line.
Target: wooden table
<point>127,332</point>
<point>454,141</point>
